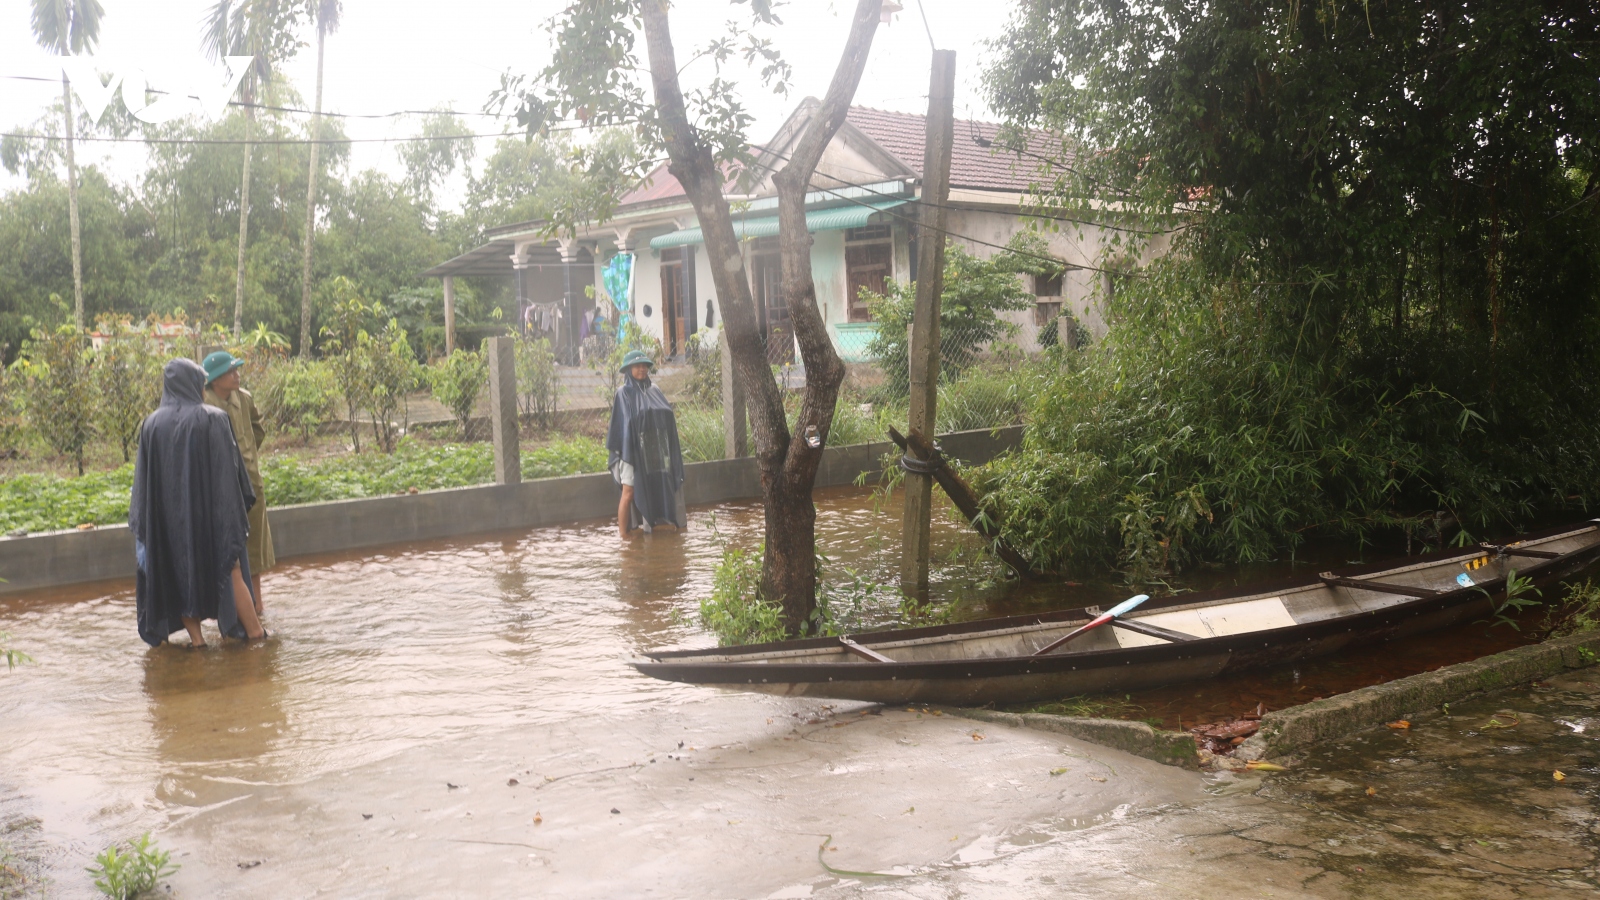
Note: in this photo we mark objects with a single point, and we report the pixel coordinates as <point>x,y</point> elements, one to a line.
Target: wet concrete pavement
<point>607,807</point>
<point>1465,805</point>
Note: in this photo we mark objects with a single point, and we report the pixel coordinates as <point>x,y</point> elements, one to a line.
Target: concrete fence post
<point>502,353</point>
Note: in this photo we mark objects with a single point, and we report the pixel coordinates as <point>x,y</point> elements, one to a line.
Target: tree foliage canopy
<point>1371,205</point>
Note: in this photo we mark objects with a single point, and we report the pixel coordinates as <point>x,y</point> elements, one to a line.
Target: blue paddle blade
<point>1128,605</point>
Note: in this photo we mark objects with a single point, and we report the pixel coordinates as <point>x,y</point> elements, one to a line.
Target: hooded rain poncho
<point>644,434</point>
<point>189,512</point>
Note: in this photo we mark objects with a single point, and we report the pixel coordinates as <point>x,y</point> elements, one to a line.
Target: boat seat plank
<point>1155,631</point>
<point>1405,590</point>
<point>1523,551</point>
<point>861,651</point>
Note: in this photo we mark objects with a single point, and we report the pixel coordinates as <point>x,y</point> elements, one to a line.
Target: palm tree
<point>326,13</point>
<point>259,29</point>
<point>68,28</point>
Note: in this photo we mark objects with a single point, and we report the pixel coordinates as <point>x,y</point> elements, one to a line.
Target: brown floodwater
<point>378,652</point>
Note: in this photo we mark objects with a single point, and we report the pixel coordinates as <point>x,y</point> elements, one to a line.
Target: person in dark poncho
<point>645,459</point>
<point>189,514</point>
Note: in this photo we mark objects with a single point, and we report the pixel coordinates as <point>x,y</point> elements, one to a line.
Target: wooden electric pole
<point>916,523</point>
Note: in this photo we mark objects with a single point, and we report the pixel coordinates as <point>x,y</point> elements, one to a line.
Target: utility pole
<point>916,522</point>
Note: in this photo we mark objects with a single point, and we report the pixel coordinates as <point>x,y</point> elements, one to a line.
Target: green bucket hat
<point>219,364</point>
<point>633,358</point>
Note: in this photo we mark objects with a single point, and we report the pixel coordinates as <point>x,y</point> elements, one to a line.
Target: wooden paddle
<point>1125,606</point>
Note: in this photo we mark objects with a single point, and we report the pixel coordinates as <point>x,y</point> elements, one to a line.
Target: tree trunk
<point>244,210</point>
<point>788,462</point>
<point>72,214</point>
<point>311,209</point>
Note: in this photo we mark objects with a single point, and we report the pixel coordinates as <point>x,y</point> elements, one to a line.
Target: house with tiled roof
<point>861,212</point>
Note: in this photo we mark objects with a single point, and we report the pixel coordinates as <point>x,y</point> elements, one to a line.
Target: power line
<point>309,112</point>
<point>265,141</point>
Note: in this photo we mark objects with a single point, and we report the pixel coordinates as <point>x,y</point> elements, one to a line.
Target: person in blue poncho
<point>645,459</point>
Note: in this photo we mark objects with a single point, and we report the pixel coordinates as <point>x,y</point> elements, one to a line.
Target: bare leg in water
<point>622,510</point>
<point>245,605</point>
<point>196,639</point>
<point>255,584</point>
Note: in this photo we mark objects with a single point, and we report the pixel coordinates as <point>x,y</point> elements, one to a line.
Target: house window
<point>868,264</point>
<point>1047,285</point>
<point>1046,311</point>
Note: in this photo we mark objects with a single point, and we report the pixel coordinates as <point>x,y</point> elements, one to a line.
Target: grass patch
<point>1579,610</point>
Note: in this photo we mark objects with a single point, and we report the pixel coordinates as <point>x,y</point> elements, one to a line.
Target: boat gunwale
<point>693,662</point>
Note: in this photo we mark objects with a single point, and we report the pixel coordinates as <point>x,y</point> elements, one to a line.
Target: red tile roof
<point>972,165</point>
<point>658,185</point>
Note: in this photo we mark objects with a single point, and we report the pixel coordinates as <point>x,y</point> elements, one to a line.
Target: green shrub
<point>976,291</point>
<point>1579,610</point>
<point>457,381</point>
<point>344,352</point>
<point>735,612</point>
<point>700,433</point>
<point>60,393</point>
<point>299,395</point>
<point>11,414</point>
<point>126,874</point>
<point>127,376</point>
<point>988,395</point>
<point>390,373</point>
<point>538,381</point>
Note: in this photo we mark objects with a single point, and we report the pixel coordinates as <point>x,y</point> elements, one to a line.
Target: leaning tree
<point>599,77</point>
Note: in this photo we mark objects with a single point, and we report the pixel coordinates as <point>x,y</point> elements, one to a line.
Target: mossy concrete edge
<point>1285,731</point>
<point>1171,748</point>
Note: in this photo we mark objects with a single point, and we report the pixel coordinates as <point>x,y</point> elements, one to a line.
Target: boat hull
<point>791,668</point>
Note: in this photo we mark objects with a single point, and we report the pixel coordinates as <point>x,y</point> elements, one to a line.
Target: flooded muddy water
<point>401,684</point>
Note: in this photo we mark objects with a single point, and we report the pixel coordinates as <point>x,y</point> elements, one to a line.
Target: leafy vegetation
<point>48,502</point>
<point>60,393</point>
<point>126,872</point>
<point>736,612</point>
<point>424,467</point>
<point>457,380</point>
<point>538,381</point>
<point>976,291</point>
<point>12,655</point>
<point>297,395</point>
<point>1579,610</point>
<point>127,376</point>
<point>1351,282</point>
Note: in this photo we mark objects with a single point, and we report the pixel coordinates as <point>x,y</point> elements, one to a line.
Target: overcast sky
<point>403,54</point>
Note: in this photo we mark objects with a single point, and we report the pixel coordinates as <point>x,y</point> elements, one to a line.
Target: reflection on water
<point>213,714</point>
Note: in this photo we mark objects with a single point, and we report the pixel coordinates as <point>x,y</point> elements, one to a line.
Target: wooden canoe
<point>1167,640</point>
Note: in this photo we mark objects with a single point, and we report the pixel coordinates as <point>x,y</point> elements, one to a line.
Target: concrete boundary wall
<point>106,552</point>
<point>1286,731</point>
